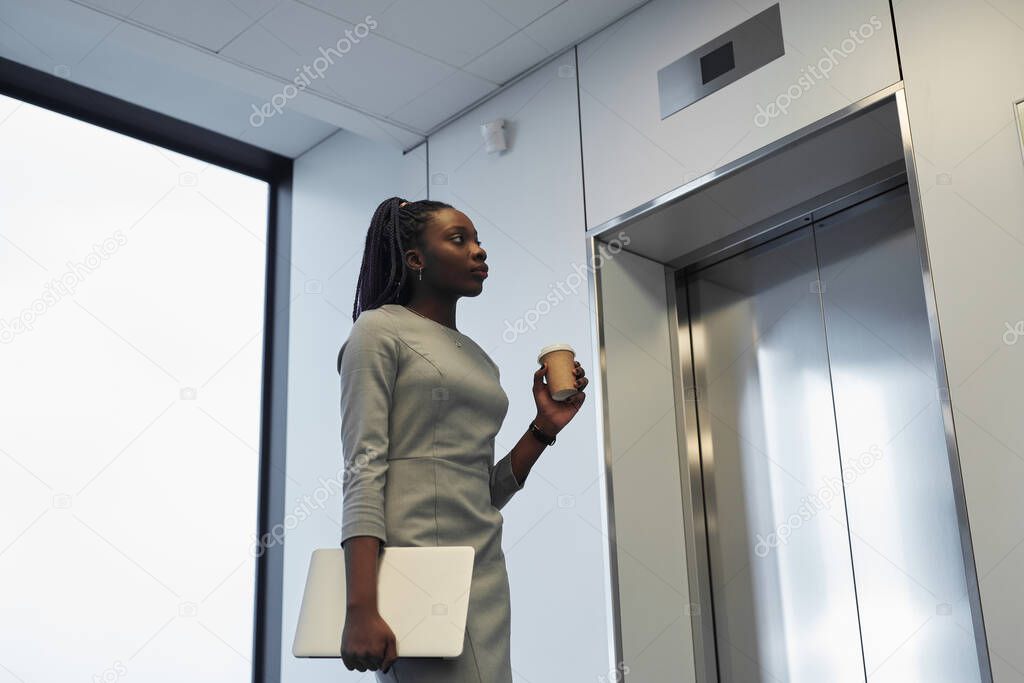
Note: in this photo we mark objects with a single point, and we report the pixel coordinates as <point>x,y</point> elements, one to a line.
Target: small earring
<point>421,274</point>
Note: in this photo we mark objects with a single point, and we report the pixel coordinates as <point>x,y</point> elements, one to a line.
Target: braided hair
<point>396,226</point>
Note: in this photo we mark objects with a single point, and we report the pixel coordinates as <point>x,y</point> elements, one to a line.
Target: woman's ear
<point>413,260</point>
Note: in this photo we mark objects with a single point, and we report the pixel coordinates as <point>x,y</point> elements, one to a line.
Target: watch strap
<point>540,435</point>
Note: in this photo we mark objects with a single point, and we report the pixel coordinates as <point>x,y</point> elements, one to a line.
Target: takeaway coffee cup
<point>561,372</point>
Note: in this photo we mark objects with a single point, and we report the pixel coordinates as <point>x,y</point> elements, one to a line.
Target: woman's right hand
<point>367,642</point>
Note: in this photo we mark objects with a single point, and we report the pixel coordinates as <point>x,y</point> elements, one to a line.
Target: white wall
<point>337,186</point>
<point>963,67</point>
<point>527,205</point>
<point>631,155</point>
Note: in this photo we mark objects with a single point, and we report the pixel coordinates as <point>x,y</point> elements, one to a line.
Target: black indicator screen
<point>717,62</point>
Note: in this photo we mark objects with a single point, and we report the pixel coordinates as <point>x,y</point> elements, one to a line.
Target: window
<point>132,290</point>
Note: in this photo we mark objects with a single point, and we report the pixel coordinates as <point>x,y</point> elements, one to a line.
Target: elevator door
<point>834,545</point>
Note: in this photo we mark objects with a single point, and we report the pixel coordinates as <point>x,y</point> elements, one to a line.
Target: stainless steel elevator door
<point>834,544</point>
<point>915,613</point>
<point>781,579</point>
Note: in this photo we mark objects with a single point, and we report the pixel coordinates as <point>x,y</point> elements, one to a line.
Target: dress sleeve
<point>368,366</point>
<point>504,484</point>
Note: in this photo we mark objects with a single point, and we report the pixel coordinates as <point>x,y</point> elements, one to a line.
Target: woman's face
<point>453,250</point>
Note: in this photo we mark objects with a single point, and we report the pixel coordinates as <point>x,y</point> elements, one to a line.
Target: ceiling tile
<point>519,12</point>
<point>454,31</point>
<point>121,7</point>
<point>508,59</point>
<point>522,12</point>
<point>438,103</point>
<point>134,9</point>
<point>370,72</point>
<point>404,67</point>
<point>351,10</point>
<point>575,19</point>
<point>50,36</point>
<point>263,47</point>
<point>146,79</point>
<point>207,23</point>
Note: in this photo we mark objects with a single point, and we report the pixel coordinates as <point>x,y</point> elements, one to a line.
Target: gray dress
<point>419,415</point>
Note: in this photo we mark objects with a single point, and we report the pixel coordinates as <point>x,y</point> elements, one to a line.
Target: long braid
<point>383,277</point>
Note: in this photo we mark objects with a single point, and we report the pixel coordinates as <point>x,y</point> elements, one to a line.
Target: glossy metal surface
<point>1018,113</point>
<point>702,615</point>
<point>749,46</point>
<point>914,607</point>
<point>781,577</point>
<point>613,610</point>
<point>778,384</point>
<point>837,199</point>
<point>697,184</point>
<point>690,453</point>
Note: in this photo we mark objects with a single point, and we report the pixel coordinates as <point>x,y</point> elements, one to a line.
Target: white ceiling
<point>409,65</point>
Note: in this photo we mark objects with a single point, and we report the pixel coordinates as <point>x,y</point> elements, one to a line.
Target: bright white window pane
<point>131,331</point>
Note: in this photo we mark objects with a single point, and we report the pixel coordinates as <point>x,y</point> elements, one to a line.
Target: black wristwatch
<point>539,434</point>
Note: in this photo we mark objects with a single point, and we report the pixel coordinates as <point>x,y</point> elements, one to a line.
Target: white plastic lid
<point>554,347</point>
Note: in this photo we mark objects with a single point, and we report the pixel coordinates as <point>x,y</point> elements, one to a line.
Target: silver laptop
<point>422,594</point>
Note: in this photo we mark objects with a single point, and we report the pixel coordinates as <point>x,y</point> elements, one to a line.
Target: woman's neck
<point>442,312</point>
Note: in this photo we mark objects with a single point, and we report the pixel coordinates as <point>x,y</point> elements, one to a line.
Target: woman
<point>421,404</point>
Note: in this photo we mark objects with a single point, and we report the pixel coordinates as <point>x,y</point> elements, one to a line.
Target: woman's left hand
<point>553,415</point>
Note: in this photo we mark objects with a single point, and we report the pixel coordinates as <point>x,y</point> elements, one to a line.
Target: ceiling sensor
<point>494,135</point>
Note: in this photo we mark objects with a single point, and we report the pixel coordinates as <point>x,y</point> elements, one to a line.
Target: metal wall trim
<point>860,106</point>
<point>956,475</point>
<point>691,475</point>
<point>683,349</point>
<point>1018,116</point>
<point>706,659</point>
<point>597,338</point>
<point>804,213</point>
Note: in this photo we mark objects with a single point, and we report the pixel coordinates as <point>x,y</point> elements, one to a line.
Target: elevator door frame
<point>705,663</point>
<point>688,420</point>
